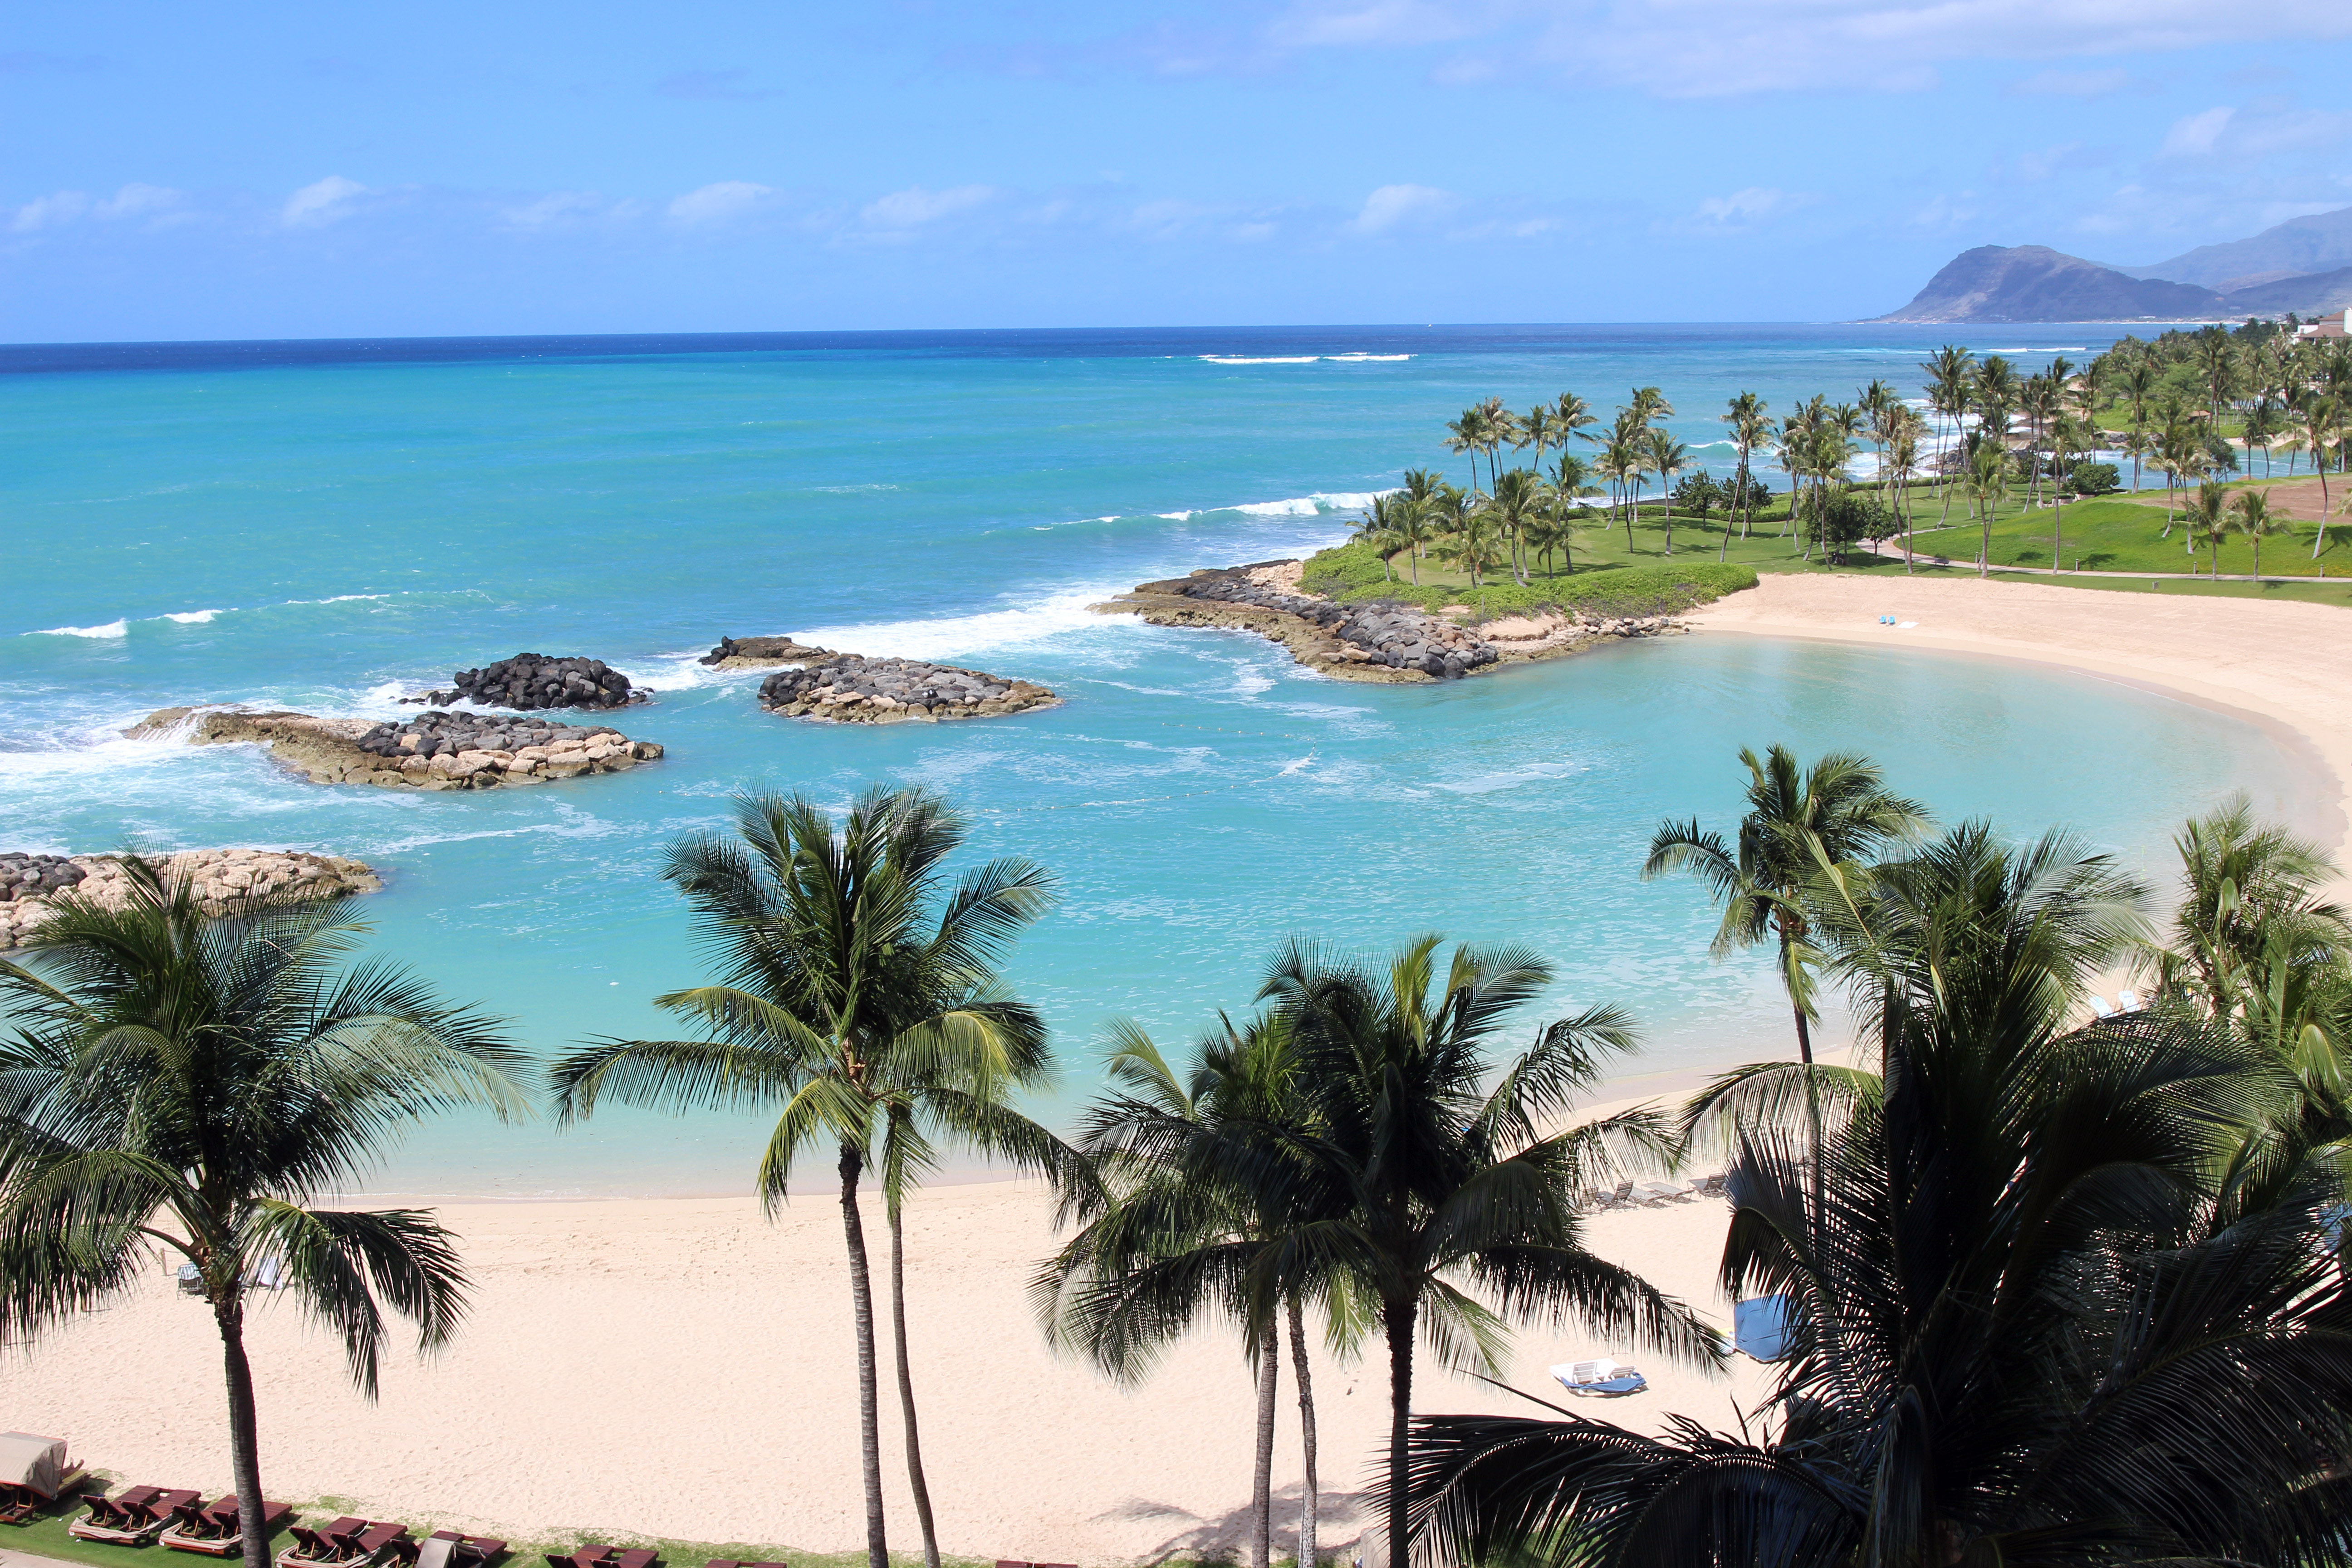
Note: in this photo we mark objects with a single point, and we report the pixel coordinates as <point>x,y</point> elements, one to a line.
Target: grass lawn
<point>2106,535</point>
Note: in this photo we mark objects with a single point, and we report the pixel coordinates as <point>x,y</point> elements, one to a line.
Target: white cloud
<point>1744,210</point>
<point>719,201</point>
<point>2072,84</point>
<point>555,207</point>
<point>138,200</point>
<point>1390,205</point>
<point>321,202</point>
<point>2193,135</point>
<point>915,207</point>
<point>51,211</point>
<point>1382,23</point>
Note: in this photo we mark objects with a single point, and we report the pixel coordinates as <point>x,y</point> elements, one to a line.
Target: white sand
<point>681,1368</point>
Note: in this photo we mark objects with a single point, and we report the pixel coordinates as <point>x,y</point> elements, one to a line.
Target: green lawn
<point>2106,535</point>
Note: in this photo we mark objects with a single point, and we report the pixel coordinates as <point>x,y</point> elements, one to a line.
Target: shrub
<point>2091,478</point>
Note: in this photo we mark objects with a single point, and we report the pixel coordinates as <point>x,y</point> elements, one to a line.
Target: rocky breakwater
<point>1356,642</point>
<point>221,879</point>
<point>849,687</point>
<point>435,751</point>
<point>1366,641</point>
<point>763,653</point>
<point>529,681</point>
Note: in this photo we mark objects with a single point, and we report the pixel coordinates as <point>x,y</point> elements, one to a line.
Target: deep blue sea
<point>324,526</point>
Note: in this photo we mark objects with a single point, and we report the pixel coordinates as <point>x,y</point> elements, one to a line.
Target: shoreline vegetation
<point>1322,1166</point>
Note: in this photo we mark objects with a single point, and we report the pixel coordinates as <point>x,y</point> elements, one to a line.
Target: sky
<point>332,170</point>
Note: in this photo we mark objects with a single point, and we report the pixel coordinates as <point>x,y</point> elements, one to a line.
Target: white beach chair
<point>2127,1001</point>
<point>1601,1378</point>
<point>2099,1005</point>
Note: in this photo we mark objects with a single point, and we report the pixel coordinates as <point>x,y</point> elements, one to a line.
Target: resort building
<point>2326,327</point>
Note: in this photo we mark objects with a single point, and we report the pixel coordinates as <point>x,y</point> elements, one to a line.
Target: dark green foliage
<point>2089,479</point>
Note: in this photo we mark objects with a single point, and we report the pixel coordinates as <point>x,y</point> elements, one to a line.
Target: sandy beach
<point>681,1368</point>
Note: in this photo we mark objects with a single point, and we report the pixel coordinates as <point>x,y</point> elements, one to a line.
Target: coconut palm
<point>1667,457</point>
<point>2321,429</point>
<point>1474,543</point>
<point>1902,466</point>
<point>1951,377</point>
<point>844,1004</point>
<point>1184,1211</point>
<point>2209,522</point>
<point>1986,487</point>
<point>1434,1190</point>
<point>2029,1326</point>
<point>1574,415</point>
<point>1751,426</point>
<point>2136,385</point>
<point>1468,435</point>
<point>2246,887</point>
<point>191,1083</point>
<point>2251,516</point>
<point>1518,502</point>
<point>1799,820</point>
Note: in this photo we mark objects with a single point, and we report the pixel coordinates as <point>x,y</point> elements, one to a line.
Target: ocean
<point>327,526</point>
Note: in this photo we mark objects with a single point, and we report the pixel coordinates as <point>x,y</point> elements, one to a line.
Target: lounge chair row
<point>1654,1194</point>
<point>182,1522</point>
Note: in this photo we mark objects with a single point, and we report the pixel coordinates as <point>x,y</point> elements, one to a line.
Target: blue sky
<point>331,170</point>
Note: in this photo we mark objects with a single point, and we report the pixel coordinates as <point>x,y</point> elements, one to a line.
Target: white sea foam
<point>1261,359</point>
<point>957,637</point>
<point>111,629</point>
<point>1368,359</point>
<point>192,617</point>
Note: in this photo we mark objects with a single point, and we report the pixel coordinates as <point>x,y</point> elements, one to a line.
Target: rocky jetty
<point>436,750</point>
<point>221,878</point>
<point>849,687</point>
<point>529,680</point>
<point>1373,641</point>
<point>763,653</point>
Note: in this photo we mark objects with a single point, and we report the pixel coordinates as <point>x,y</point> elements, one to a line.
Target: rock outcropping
<point>1363,641</point>
<point>435,751</point>
<point>761,652</point>
<point>531,680</point>
<point>849,687</point>
<point>221,878</point>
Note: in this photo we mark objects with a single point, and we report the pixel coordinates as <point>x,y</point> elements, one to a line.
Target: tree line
<point>2059,1292</point>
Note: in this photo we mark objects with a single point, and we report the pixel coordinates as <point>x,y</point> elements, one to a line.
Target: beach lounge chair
<point>1656,1195</point>
<point>448,1549</point>
<point>596,1555</point>
<point>2127,1002</point>
<point>216,1530</point>
<point>317,1544</point>
<point>2099,1005</point>
<point>133,1518</point>
<point>1711,1187</point>
<point>362,1542</point>
<point>34,1473</point>
<point>1622,1198</point>
<point>1761,1329</point>
<point>1601,1379</point>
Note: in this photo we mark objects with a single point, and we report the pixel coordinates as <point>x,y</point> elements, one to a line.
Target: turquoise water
<point>326,534</point>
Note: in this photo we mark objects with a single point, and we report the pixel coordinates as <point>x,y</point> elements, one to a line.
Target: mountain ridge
<point>2035,283</point>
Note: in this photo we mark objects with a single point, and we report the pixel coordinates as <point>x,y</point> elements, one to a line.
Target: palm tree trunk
<point>1310,1553</point>
<point>861,1297</point>
<point>244,1431</point>
<point>907,1389</point>
<point>1398,1317</point>
<point>1261,1544</point>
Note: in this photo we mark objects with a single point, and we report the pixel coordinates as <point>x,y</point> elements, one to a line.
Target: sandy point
<point>682,1368</point>
<point>2284,665</point>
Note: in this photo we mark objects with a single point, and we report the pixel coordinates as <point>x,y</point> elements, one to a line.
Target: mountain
<point>2313,294</point>
<point>2321,242</point>
<point>2035,283</point>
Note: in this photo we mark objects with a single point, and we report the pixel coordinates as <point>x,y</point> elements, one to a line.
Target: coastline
<point>2281,666</point>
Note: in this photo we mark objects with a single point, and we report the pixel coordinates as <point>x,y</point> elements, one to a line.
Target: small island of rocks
<point>434,751</point>
<point>220,879</point>
<point>1367,641</point>
<point>531,680</point>
<point>851,689</point>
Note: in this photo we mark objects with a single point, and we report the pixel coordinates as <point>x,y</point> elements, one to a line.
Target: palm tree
<point>1516,502</point>
<point>1902,466</point>
<point>1468,435</point>
<point>1184,1212</point>
<point>2321,429</point>
<point>1574,417</point>
<point>1750,428</point>
<point>2209,522</point>
<point>1501,427</point>
<point>2029,1326</point>
<point>1474,543</point>
<point>191,1083</point>
<point>837,1007</point>
<point>1620,466</point>
<point>1427,1174</point>
<point>2068,436</point>
<point>1987,487</point>
<point>2257,521</point>
<point>1668,458</point>
<point>2246,887</point>
<point>2136,385</point>
<point>1951,374</point>
<point>1839,812</point>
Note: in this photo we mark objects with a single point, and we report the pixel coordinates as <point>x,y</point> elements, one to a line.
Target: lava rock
<point>531,681</point>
